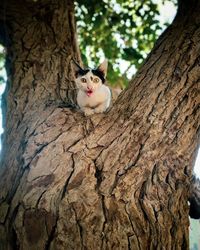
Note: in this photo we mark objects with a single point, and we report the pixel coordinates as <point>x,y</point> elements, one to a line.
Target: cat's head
<point>89,80</point>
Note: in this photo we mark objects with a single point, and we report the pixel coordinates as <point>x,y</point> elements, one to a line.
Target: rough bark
<point>113,181</point>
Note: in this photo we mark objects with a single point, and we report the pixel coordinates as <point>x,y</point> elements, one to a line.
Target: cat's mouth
<point>89,92</point>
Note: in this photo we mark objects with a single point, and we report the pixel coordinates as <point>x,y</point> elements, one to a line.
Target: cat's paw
<point>100,109</point>
<point>88,112</point>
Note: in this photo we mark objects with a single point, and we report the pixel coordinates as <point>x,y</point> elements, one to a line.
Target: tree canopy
<point>119,30</point>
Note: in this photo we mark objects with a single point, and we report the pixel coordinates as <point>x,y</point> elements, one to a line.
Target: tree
<point>118,180</point>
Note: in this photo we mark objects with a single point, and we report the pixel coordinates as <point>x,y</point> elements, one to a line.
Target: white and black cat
<point>93,96</point>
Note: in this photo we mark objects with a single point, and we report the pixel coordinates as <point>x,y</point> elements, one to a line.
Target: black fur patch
<point>96,72</point>
<point>82,72</point>
<point>99,73</point>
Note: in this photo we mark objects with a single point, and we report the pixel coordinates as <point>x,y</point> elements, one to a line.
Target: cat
<point>93,96</point>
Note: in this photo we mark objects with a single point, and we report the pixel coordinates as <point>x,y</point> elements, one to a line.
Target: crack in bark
<point>141,199</point>
<point>16,184</point>
<point>150,115</point>
<point>51,236</point>
<point>15,243</point>
<point>79,227</point>
<point>39,199</point>
<point>175,113</point>
<point>98,176</point>
<point>114,185</point>
<point>119,174</point>
<point>69,178</point>
<point>13,232</point>
<point>40,149</point>
<point>105,219</point>
<point>131,223</point>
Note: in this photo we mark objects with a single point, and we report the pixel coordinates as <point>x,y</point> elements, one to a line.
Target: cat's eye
<point>83,80</point>
<point>96,80</point>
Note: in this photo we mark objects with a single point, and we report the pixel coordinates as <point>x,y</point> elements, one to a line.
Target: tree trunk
<point>118,180</point>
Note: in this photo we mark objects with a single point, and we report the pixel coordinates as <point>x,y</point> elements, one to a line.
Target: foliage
<point>124,31</point>
<point>2,62</point>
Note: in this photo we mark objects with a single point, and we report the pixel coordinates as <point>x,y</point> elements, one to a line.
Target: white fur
<point>100,98</point>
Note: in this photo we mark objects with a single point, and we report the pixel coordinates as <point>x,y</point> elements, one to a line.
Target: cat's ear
<point>76,67</point>
<point>103,67</point>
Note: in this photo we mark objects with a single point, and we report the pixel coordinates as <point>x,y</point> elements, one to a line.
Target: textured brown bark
<point>113,181</point>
